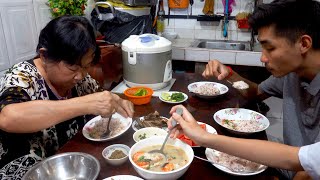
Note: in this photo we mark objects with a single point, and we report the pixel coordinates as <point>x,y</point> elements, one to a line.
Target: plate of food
<point>173,97</point>
<point>94,128</point>
<point>151,120</point>
<point>207,90</point>
<point>204,126</point>
<point>232,164</point>
<point>241,121</point>
<point>123,177</point>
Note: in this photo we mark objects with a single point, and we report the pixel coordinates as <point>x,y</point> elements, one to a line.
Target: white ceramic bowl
<point>170,35</point>
<point>148,132</point>
<point>157,140</point>
<point>241,114</point>
<point>106,153</point>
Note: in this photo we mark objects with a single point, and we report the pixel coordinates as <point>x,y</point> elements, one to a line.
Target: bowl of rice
<point>241,121</point>
<point>95,128</point>
<point>207,89</point>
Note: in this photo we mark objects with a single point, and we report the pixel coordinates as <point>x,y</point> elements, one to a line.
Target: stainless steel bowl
<point>72,165</point>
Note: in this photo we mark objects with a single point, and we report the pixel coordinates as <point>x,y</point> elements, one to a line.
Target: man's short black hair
<point>291,19</point>
<point>68,39</point>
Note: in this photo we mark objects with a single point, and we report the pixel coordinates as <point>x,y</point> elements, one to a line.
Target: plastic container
<point>243,24</point>
<point>138,100</point>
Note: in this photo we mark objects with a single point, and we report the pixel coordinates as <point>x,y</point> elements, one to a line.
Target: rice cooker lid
<point>146,43</point>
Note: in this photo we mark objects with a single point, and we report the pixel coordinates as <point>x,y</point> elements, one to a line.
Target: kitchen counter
<point>182,50</point>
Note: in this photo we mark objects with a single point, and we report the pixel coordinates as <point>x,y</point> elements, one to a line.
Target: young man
<point>289,33</point>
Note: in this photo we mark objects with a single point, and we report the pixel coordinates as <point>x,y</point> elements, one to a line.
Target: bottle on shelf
<point>160,23</point>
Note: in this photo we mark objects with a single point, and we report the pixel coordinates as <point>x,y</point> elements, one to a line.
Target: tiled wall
<point>193,29</point>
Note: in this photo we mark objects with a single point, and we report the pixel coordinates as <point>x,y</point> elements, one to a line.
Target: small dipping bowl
<point>109,150</point>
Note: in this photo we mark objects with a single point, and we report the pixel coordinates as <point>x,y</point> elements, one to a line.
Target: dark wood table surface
<point>201,109</point>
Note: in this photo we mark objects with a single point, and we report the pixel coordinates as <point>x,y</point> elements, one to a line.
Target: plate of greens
<point>173,97</point>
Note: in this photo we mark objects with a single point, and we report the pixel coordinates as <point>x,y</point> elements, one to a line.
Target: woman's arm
<point>32,116</point>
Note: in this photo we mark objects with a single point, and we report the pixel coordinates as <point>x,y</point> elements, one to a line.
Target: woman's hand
<point>216,69</point>
<point>187,125</point>
<point>106,103</point>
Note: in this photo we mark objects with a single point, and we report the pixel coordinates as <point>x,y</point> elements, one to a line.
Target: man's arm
<point>263,152</point>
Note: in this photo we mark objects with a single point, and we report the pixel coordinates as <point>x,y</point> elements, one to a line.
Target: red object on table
<point>189,141</point>
<point>243,24</point>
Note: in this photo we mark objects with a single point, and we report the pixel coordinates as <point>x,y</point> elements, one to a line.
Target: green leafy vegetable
<point>174,97</point>
<point>177,97</point>
<point>141,92</point>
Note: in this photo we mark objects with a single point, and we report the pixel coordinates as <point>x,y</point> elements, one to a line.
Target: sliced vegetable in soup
<point>176,158</point>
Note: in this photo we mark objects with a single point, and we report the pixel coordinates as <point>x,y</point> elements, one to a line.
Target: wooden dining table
<point>202,109</point>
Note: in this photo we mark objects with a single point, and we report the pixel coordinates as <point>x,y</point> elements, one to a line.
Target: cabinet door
<point>4,59</point>
<point>42,14</point>
<point>20,31</point>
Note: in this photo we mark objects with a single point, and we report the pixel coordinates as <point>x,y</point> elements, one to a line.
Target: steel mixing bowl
<point>71,165</point>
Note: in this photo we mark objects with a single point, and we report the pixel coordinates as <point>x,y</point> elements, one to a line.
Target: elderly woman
<point>44,100</point>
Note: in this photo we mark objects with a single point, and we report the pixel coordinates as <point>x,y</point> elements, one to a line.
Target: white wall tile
<point>197,55</point>
<point>244,36</point>
<point>248,59</point>
<point>209,25</point>
<point>232,25</point>
<point>232,35</point>
<point>180,11</point>
<point>223,57</point>
<point>185,23</point>
<point>178,54</point>
<point>169,23</point>
<point>205,34</point>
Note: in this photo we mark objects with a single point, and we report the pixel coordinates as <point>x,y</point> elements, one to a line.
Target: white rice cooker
<point>147,61</point>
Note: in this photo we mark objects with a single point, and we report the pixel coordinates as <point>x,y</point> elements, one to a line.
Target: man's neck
<point>311,66</point>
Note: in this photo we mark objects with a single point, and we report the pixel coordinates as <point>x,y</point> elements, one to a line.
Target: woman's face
<point>279,55</point>
<point>65,76</point>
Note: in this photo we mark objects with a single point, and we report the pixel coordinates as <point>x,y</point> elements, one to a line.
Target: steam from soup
<point>176,158</point>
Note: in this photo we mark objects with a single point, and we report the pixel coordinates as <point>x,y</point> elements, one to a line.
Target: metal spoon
<point>173,123</point>
<point>233,170</point>
<point>107,132</point>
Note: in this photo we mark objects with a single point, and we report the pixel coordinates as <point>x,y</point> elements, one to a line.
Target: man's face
<point>279,55</point>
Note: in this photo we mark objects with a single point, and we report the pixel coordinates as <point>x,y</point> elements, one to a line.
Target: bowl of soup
<point>179,156</point>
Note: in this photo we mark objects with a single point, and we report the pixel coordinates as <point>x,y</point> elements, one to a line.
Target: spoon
<point>173,123</point>
<point>233,170</point>
<point>107,132</point>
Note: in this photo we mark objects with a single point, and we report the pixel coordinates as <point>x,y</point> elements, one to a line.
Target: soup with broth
<point>176,158</point>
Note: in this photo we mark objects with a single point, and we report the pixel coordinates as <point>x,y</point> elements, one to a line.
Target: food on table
<point>176,158</point>
<point>142,136</point>
<point>187,140</point>
<point>207,89</point>
<point>243,125</point>
<point>240,85</point>
<point>99,127</point>
<point>234,163</point>
<point>173,97</point>
<point>152,120</point>
<point>117,154</point>
<point>141,92</point>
